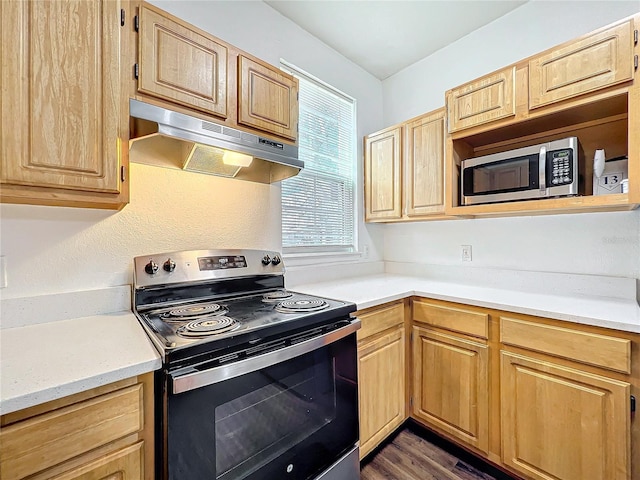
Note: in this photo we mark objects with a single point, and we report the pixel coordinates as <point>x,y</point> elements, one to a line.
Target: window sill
<point>320,258</point>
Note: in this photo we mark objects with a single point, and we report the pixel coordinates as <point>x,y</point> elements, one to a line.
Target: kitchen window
<point>318,209</point>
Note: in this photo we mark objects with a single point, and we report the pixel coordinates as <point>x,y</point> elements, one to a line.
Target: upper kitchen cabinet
<point>267,98</point>
<point>483,100</point>
<point>584,88</point>
<point>423,181</point>
<point>186,69</point>
<point>383,175</point>
<point>180,64</point>
<point>593,62</point>
<point>65,119</point>
<point>404,170</point>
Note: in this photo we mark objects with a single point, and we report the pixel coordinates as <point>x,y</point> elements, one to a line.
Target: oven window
<point>263,424</point>
<point>504,176</point>
<point>290,420</point>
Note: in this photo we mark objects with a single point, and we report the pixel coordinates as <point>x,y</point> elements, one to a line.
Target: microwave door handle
<point>191,381</point>
<point>542,166</point>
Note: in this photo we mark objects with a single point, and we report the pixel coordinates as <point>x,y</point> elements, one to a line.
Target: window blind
<point>318,211</point>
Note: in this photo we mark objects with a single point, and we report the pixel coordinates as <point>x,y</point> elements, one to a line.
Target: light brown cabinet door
<point>482,101</point>
<point>48,439</point>
<point>586,65</point>
<point>383,175</point>
<point>450,387</point>
<point>424,165</point>
<point>381,387</point>
<point>267,98</point>
<point>563,424</point>
<point>125,464</point>
<point>180,64</point>
<point>65,113</point>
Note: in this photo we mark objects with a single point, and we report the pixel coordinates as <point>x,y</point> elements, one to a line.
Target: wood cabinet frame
<point>408,180</point>
<point>603,114</point>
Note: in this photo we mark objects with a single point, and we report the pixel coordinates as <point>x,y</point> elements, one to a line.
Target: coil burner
<point>276,296</point>
<point>193,312</point>
<point>301,306</point>
<point>207,327</point>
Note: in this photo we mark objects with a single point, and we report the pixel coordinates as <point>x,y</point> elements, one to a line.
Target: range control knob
<point>266,260</point>
<point>151,267</point>
<point>169,265</point>
<point>276,260</point>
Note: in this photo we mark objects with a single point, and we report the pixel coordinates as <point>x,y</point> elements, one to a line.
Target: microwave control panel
<point>559,167</point>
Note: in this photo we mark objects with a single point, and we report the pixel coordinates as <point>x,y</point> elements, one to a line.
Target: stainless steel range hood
<point>171,139</point>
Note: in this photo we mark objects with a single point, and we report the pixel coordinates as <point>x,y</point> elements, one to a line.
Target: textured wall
<point>597,244</point>
<point>52,250</point>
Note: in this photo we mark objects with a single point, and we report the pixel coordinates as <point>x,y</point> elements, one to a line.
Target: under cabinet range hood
<point>171,139</point>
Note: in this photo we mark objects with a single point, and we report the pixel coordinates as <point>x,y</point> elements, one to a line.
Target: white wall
<point>52,249</point>
<point>602,243</point>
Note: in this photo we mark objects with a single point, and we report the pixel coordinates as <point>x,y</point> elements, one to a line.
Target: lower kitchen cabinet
<point>563,423</point>
<point>565,401</point>
<point>542,399</point>
<point>102,433</point>
<point>450,386</point>
<point>381,374</point>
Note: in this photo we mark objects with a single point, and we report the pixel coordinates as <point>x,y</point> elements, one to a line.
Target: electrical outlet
<point>3,272</point>
<point>466,253</point>
<point>365,251</point>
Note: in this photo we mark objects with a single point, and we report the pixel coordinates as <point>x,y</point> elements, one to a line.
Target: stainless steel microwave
<point>540,171</point>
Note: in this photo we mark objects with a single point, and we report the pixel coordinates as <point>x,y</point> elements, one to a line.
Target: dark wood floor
<point>409,457</point>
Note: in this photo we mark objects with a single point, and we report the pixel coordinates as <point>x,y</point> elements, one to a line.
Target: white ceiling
<point>383,37</point>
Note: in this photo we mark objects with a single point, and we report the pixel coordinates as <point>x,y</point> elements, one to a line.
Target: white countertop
<point>47,361</point>
<point>615,313</point>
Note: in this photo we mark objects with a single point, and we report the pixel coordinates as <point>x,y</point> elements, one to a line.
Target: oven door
<point>286,414</point>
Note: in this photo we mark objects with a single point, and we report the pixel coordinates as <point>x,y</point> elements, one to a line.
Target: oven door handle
<point>190,381</point>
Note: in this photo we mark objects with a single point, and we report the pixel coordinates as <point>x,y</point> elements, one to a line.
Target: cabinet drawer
<point>380,320</point>
<point>123,464</point>
<point>483,100</point>
<point>45,440</point>
<point>591,348</point>
<point>452,318</point>
<point>594,62</point>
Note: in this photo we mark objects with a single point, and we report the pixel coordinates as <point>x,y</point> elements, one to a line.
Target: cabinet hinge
<point>635,37</point>
<point>122,17</point>
<point>136,70</point>
<point>411,401</point>
<point>136,23</point>
<point>635,62</point>
<point>123,173</point>
<point>633,404</point>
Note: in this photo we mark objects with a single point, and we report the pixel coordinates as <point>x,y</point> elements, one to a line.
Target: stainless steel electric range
<point>258,382</point>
